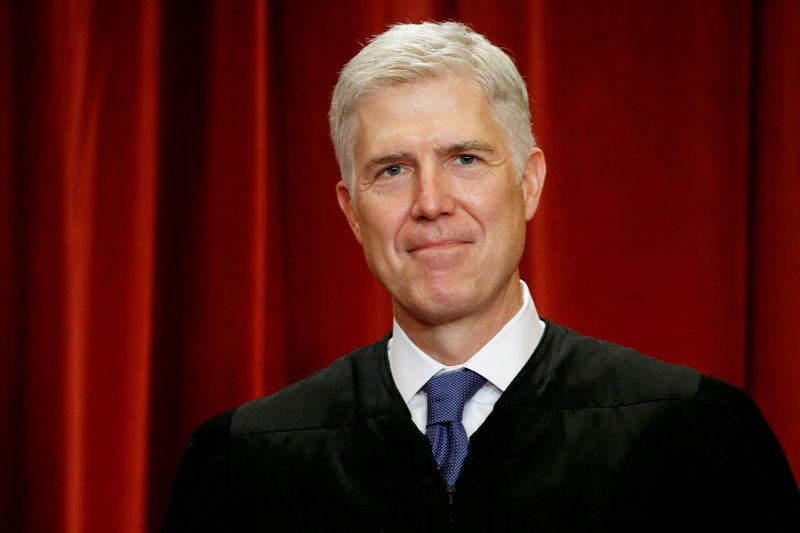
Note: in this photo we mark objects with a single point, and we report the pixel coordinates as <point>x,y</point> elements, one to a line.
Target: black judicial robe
<point>589,436</point>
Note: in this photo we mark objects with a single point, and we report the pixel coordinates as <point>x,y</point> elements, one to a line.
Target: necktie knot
<point>449,392</point>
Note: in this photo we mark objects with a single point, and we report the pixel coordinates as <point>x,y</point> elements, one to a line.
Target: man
<point>474,413</point>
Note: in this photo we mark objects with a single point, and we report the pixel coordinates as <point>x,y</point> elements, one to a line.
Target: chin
<point>440,307</point>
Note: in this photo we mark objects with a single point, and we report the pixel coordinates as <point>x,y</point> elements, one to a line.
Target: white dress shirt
<point>499,361</point>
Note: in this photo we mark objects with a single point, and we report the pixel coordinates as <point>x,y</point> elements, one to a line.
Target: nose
<point>432,195</point>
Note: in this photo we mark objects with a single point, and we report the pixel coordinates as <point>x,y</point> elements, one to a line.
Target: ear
<point>347,207</point>
<point>533,181</point>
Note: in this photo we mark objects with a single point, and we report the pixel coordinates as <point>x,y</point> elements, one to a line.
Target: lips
<point>440,243</point>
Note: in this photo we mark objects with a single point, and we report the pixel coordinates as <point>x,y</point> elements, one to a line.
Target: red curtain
<point>170,243</point>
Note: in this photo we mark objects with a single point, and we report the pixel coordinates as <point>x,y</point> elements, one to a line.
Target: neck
<point>453,342</point>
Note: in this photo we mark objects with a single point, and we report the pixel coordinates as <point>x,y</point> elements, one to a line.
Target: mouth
<point>441,244</point>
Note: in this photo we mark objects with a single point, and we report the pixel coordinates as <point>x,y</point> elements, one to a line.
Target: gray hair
<point>410,52</point>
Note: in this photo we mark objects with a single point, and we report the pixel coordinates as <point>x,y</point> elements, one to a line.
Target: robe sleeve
<point>200,496</point>
<point>753,485</point>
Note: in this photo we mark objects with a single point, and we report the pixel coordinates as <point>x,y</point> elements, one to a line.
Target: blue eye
<point>466,159</point>
<point>393,170</point>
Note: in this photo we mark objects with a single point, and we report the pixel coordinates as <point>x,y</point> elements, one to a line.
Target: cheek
<point>379,231</point>
<point>506,216</point>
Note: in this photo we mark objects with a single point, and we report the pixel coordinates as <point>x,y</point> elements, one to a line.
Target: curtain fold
<point>774,238</point>
<point>171,246</point>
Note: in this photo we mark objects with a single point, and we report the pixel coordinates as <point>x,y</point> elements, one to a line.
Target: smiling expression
<point>436,203</point>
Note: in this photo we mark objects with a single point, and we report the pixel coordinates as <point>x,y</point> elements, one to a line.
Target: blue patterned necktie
<point>447,394</point>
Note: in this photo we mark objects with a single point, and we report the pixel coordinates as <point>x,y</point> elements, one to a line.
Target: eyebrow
<point>385,158</point>
<point>466,146</point>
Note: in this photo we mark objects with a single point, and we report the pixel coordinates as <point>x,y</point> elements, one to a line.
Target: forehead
<point>425,113</point>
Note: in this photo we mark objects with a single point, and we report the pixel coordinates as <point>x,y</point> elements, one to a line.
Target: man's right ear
<point>347,207</point>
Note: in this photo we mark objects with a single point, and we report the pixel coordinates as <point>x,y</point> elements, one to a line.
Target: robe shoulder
<point>352,388</point>
<point>569,370</point>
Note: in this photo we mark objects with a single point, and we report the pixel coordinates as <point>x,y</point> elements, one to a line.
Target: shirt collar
<point>499,360</point>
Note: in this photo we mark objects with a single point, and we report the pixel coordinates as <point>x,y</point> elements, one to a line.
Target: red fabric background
<point>170,244</point>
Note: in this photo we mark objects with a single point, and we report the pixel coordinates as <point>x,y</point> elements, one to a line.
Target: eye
<point>466,159</point>
<point>392,171</point>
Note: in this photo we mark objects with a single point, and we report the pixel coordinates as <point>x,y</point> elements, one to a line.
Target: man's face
<point>436,203</point>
